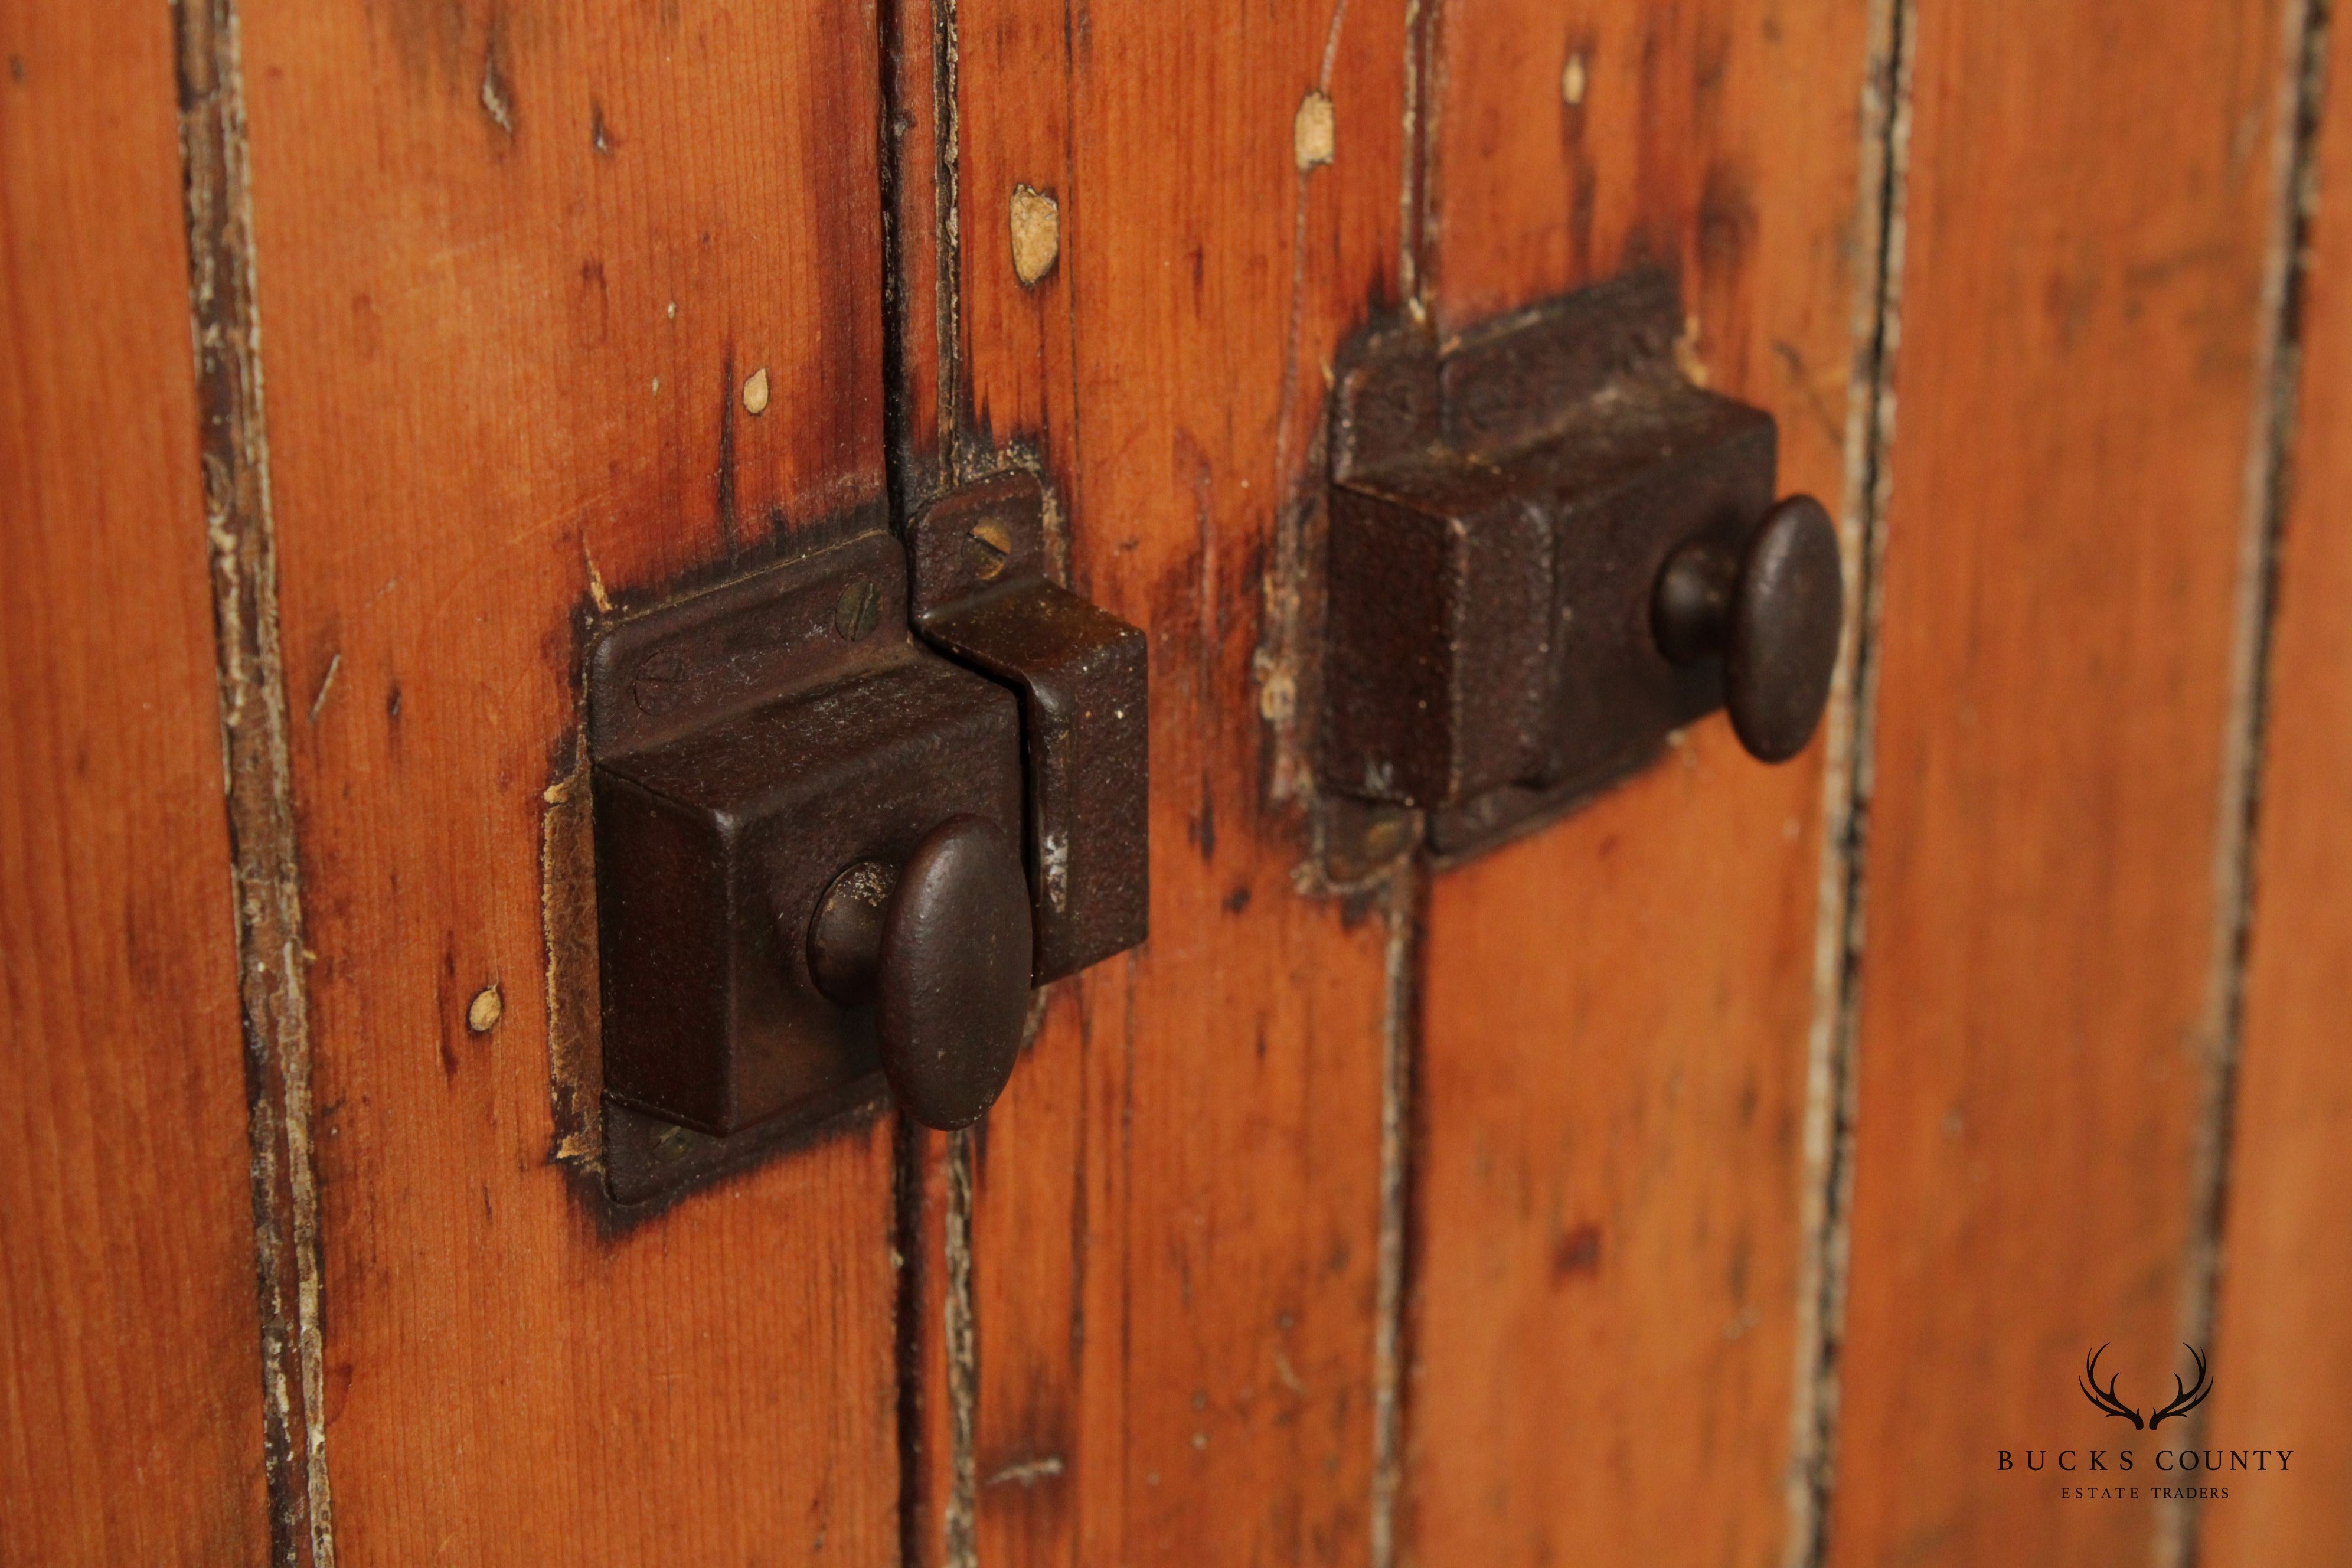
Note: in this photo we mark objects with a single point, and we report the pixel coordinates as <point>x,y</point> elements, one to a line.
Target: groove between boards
<point>266,863</point>
<point>1831,1102</point>
<point>2300,99</point>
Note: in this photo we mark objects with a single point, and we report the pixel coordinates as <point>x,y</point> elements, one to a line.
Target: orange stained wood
<point>2078,381</point>
<point>128,1327</point>
<point>571,309</point>
<point>523,275</point>
<point>2283,1363</point>
<point>918,178</point>
<point>1610,1091</point>
<point>933,1230</point>
<point>1176,1207</point>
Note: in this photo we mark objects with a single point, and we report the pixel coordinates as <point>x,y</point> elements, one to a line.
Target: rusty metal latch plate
<point>756,744</point>
<point>1502,509</point>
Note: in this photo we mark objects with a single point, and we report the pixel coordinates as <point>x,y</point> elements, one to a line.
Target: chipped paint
<point>755,391</point>
<point>1412,200</point>
<point>273,962</point>
<point>1053,862</point>
<point>487,1008</point>
<point>1687,358</point>
<point>1825,1203</point>
<point>947,252</point>
<point>1314,131</point>
<point>958,1528</point>
<point>1028,1473</point>
<point>567,864</point>
<point>1402,958</point>
<point>1573,80</point>
<point>326,684</point>
<point>1278,690</point>
<point>497,95</point>
<point>602,600</point>
<point>1037,223</point>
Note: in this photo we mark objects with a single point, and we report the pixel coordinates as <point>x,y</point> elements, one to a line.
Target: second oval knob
<point>1772,612</point>
<point>942,947</point>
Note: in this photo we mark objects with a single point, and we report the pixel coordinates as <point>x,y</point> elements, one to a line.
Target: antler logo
<point>2184,1400</point>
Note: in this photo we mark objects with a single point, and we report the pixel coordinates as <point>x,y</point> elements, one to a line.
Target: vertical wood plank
<point>2081,362</point>
<point>518,265</point>
<point>130,1427</point>
<point>1609,1094</point>
<point>919,334</point>
<point>2282,1361</point>
<point>916,334</point>
<point>1176,1203</point>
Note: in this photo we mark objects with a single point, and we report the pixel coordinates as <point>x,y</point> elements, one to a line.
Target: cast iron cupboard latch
<point>1548,551</point>
<point>849,811</point>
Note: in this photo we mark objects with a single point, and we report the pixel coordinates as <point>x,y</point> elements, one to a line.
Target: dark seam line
<point>902,485</point>
<point>1853,850</point>
<point>2208,1222</point>
<point>264,866</point>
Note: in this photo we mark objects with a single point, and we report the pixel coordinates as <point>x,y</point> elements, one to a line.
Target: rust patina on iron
<point>980,594</point>
<point>832,854</point>
<point>1503,510</point>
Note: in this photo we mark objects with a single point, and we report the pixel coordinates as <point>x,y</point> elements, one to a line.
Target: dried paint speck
<point>755,391</point>
<point>487,1008</point>
<point>1314,134</point>
<point>497,100</point>
<point>1687,358</point>
<point>1572,81</point>
<point>1036,234</point>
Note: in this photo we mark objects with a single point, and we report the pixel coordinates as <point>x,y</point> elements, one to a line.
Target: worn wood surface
<point>1610,1092</point>
<point>517,268</point>
<point>934,1410</point>
<point>2283,1360</point>
<point>566,309</point>
<point>1175,1206</point>
<point>2078,382</point>
<point>130,1423</point>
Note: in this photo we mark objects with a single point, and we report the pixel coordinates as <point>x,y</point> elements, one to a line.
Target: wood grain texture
<point>2078,378</point>
<point>919,296</point>
<point>1176,1203</point>
<point>2283,1361</point>
<point>516,266</point>
<point>1610,1086</point>
<point>131,1389</point>
<point>916,334</point>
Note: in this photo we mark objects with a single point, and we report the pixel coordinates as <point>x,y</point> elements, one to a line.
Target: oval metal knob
<point>1772,611</point>
<point>942,946</point>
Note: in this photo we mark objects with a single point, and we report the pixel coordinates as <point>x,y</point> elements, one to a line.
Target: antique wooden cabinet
<point>1738,1168</point>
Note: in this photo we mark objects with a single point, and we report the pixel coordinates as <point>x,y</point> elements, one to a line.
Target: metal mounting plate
<point>981,593</point>
<point>1500,506</point>
<point>748,743</point>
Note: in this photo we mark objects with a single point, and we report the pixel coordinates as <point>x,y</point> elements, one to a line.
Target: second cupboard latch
<point>1548,549</point>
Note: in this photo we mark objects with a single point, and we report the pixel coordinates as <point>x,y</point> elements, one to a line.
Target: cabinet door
<point>129,1341</point>
<point>1735,1169</point>
<point>481,295</point>
<point>1384,1211</point>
